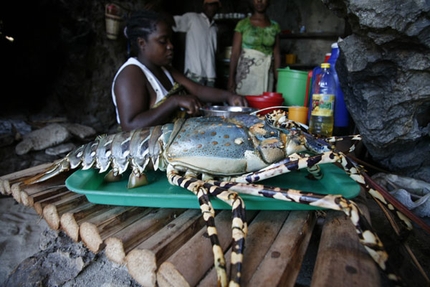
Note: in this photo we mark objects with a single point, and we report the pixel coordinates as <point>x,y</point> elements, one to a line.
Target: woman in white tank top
<point>141,84</point>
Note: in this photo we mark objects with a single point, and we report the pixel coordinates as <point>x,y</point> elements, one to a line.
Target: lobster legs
<point>228,192</point>
<point>239,226</point>
<point>367,236</point>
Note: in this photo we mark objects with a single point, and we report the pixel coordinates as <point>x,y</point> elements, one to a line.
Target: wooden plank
<point>17,178</point>
<point>18,175</point>
<point>142,260</point>
<point>148,267</point>
<point>39,191</point>
<point>39,194</point>
<point>15,190</point>
<point>122,221</point>
<point>341,257</point>
<point>52,212</point>
<point>94,231</point>
<point>118,245</point>
<point>265,225</point>
<point>210,277</point>
<point>7,181</point>
<point>71,220</point>
<point>282,263</point>
<point>40,205</point>
<point>172,236</point>
<point>189,264</point>
<point>5,187</point>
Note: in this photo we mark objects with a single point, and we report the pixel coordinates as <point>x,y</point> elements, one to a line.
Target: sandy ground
<point>29,249</point>
<point>20,231</point>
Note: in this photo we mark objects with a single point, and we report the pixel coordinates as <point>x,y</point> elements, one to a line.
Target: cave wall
<point>384,69</point>
<point>60,62</point>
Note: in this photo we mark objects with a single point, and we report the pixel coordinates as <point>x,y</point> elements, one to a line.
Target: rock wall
<point>89,64</point>
<point>384,69</point>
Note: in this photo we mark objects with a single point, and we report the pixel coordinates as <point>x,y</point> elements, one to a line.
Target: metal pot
<point>226,111</point>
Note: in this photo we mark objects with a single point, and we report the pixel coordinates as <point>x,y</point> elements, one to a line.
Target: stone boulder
<point>62,262</point>
<point>384,70</point>
<point>43,138</point>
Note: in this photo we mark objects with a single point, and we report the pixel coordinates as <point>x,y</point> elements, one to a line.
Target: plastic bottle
<point>322,102</point>
<point>341,115</point>
<point>313,74</point>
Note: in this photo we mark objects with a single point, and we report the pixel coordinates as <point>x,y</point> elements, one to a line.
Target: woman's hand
<point>237,100</point>
<point>191,104</point>
<point>231,85</point>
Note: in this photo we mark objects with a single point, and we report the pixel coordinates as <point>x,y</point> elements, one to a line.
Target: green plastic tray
<point>159,193</point>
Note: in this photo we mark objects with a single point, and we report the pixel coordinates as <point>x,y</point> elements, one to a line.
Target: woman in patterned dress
<point>255,55</point>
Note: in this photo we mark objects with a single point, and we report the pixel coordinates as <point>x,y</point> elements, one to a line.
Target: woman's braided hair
<point>140,24</point>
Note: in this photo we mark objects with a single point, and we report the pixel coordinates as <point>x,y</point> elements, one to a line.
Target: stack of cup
<point>298,114</point>
<point>265,101</point>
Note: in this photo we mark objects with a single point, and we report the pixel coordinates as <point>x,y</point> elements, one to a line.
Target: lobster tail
<point>71,161</point>
<point>137,149</point>
<point>56,168</point>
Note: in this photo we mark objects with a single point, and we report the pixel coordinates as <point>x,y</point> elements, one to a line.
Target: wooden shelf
<point>303,67</point>
<point>310,36</point>
<point>228,20</point>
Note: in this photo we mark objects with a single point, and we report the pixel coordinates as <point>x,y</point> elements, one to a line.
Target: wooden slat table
<point>169,247</point>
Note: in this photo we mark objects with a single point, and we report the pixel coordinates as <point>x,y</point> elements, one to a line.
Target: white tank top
<point>155,83</point>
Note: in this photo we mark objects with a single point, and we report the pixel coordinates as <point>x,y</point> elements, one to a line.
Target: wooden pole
<point>339,246</point>
<point>52,212</point>
<point>151,221</point>
<point>71,220</point>
<point>96,230</point>
<point>194,258</point>
<point>40,205</point>
<point>283,260</point>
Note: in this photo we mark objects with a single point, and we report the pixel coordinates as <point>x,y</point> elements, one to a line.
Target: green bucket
<point>292,85</point>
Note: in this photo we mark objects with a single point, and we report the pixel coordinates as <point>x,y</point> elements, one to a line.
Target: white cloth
<point>254,73</point>
<point>413,193</point>
<point>201,43</point>
<point>155,83</point>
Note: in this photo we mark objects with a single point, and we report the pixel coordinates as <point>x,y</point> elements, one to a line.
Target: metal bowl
<point>226,111</point>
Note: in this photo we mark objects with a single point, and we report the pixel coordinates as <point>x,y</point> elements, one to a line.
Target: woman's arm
<point>234,58</point>
<point>133,98</point>
<point>208,94</point>
<point>277,57</point>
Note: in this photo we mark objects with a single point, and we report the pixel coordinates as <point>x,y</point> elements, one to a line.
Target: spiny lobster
<point>224,157</point>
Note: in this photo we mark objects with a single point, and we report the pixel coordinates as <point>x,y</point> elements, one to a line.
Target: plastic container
<point>292,85</point>
<point>227,52</point>
<point>290,59</point>
<point>298,114</point>
<point>264,101</point>
<point>273,94</point>
<point>225,111</point>
<point>323,102</point>
<point>160,193</point>
<point>113,20</point>
<point>313,74</point>
<point>341,114</point>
